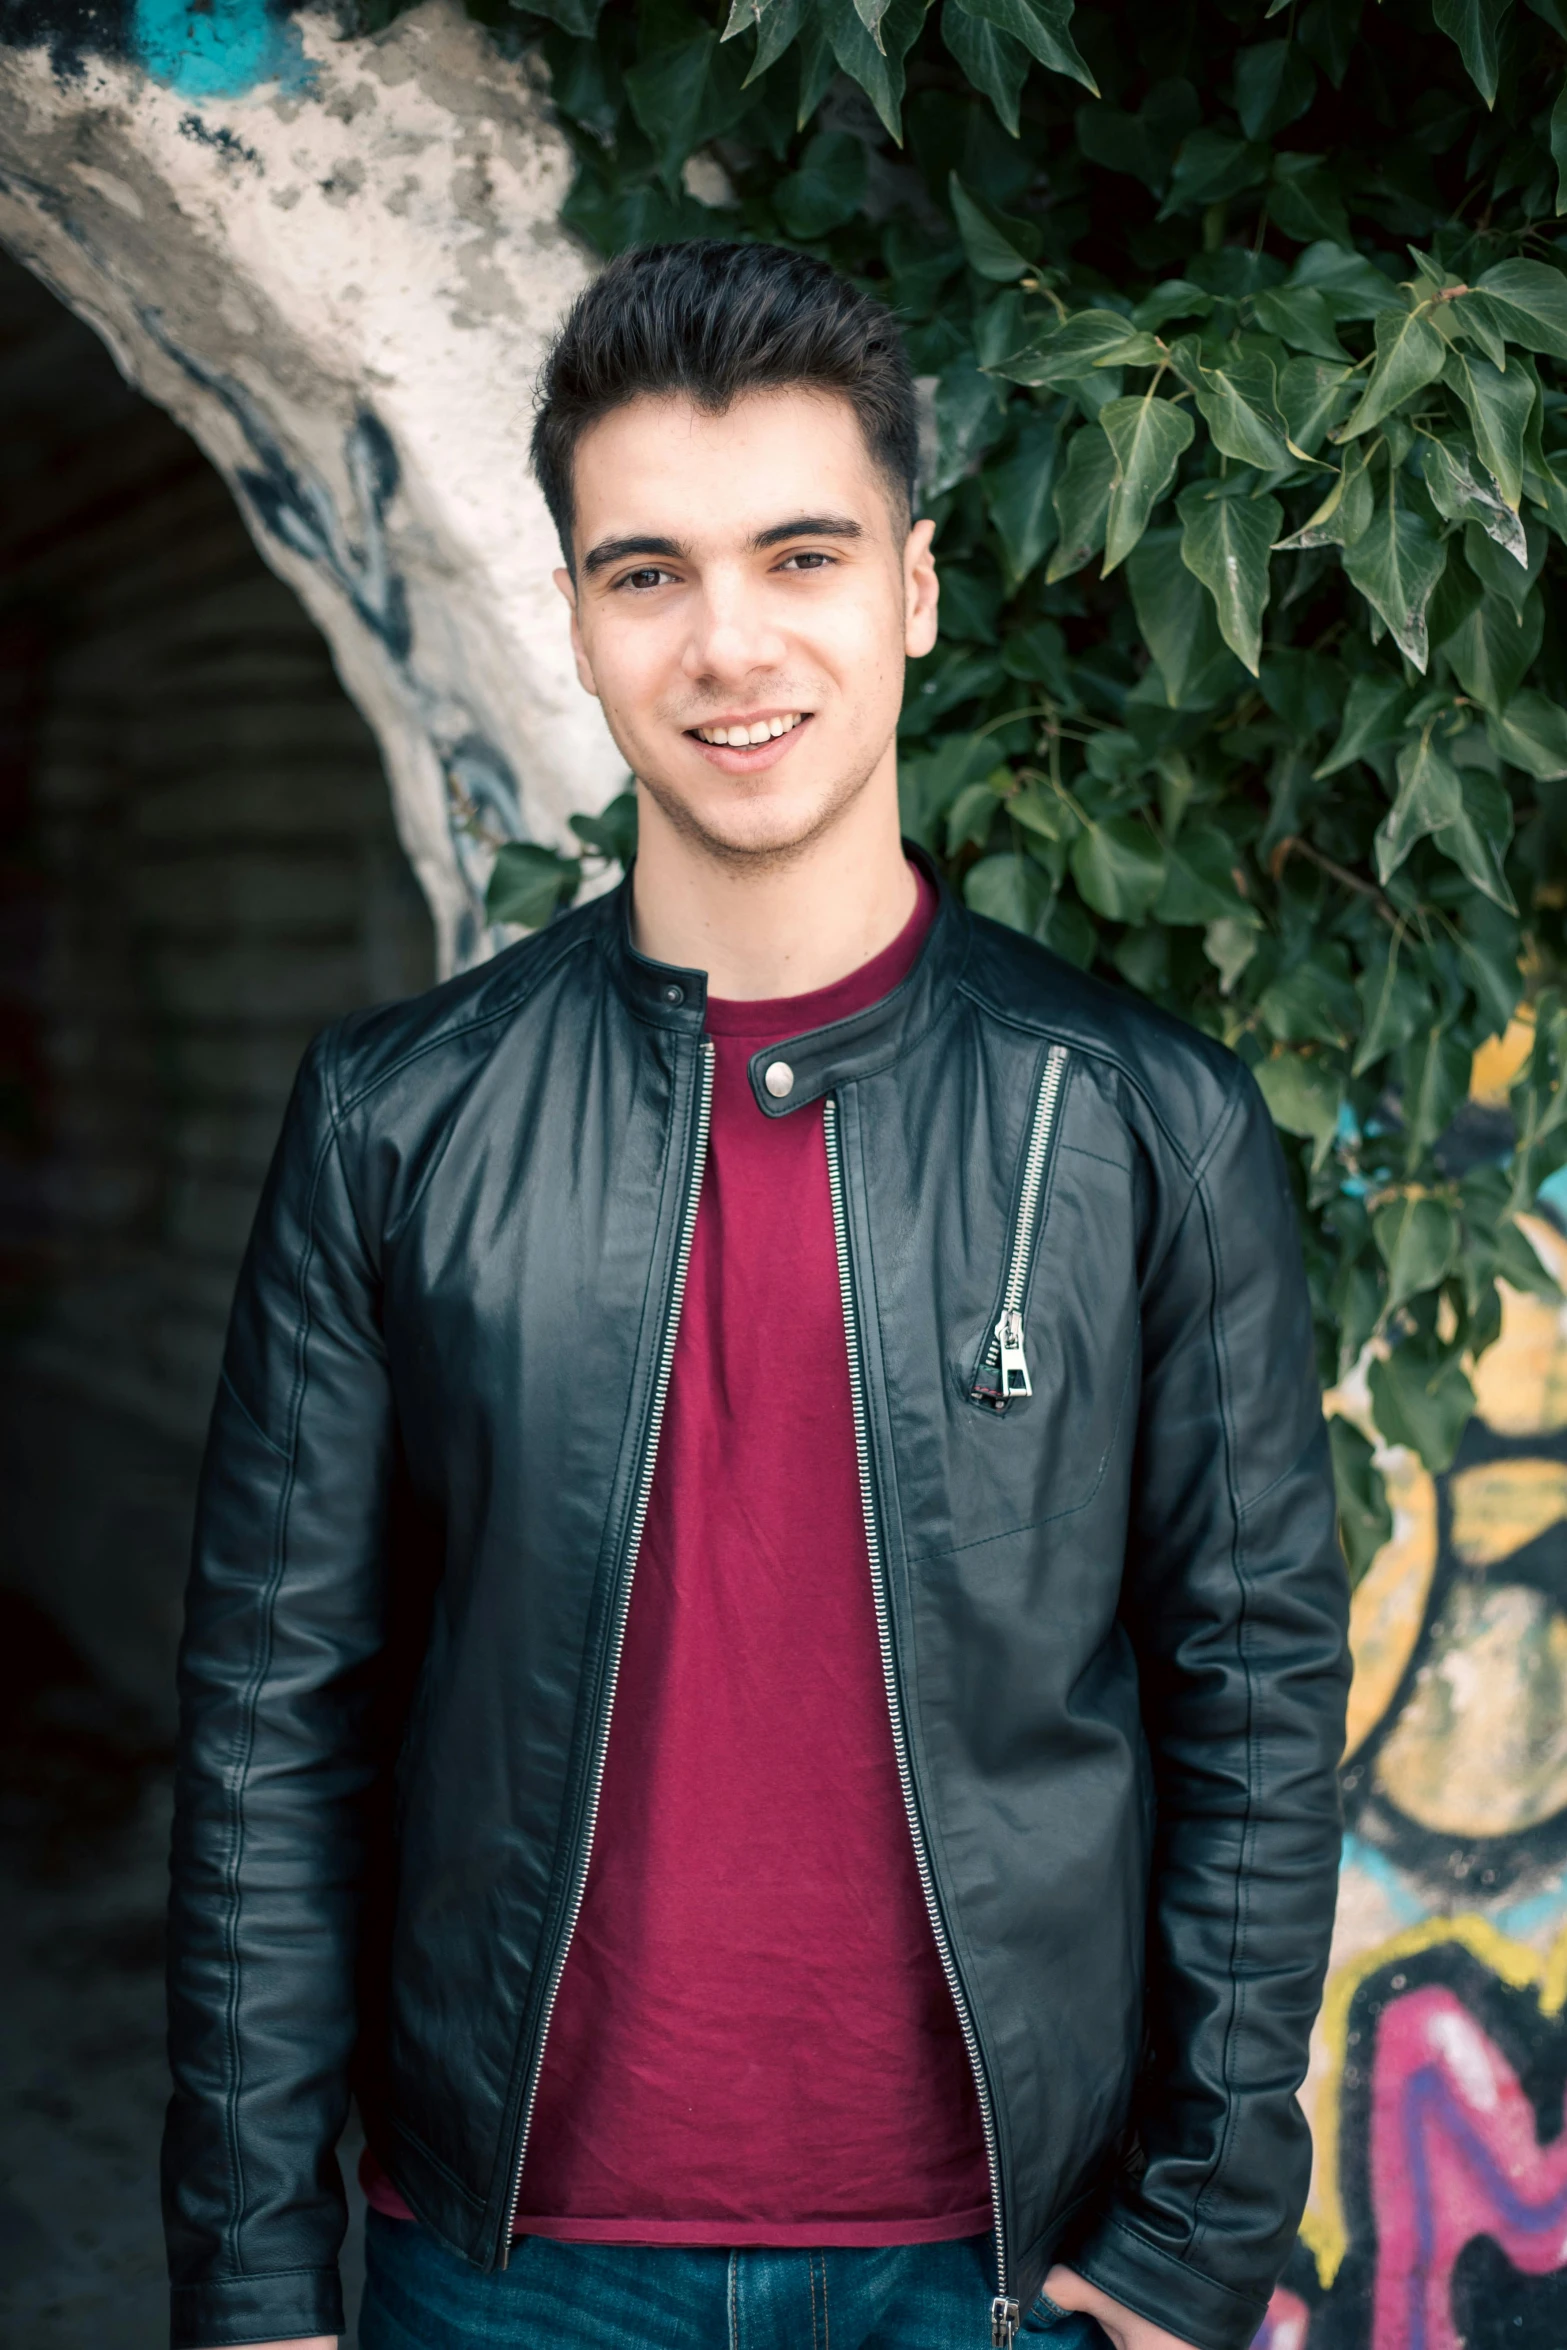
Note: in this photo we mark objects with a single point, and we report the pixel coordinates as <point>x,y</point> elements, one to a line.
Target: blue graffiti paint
<point>217,48</point>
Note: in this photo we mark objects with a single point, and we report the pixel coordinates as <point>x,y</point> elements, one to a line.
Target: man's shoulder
<point>1160,1067</point>
<point>429,1040</point>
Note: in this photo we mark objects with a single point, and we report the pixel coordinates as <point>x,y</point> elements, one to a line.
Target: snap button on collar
<point>778,1078</point>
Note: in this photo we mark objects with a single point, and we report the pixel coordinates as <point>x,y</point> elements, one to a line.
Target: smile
<point>745,732</point>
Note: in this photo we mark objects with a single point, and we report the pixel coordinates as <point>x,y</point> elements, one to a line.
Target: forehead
<point>667,467</point>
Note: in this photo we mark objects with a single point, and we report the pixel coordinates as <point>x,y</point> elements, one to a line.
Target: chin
<point>739,828</point>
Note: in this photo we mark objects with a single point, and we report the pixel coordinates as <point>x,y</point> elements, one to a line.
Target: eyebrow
<point>617,550</point>
<point>799,526</point>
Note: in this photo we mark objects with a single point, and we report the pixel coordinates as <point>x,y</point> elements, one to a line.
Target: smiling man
<point>766,1648</point>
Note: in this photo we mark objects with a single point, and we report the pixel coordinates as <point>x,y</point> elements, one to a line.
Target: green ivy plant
<point>1244,329</point>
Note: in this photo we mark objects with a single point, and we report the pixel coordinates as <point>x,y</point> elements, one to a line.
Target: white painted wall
<point>341,281</point>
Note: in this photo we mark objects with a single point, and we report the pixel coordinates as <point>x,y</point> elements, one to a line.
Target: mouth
<point>745,745</point>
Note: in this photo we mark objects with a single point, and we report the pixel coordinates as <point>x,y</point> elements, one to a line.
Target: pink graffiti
<point>1454,2155</point>
<point>1286,2325</point>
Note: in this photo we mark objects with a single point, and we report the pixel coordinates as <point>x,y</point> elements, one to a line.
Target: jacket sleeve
<point>283,1624</point>
<point>1236,1601</point>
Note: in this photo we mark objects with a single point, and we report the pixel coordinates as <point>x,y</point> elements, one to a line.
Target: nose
<point>731,634</point>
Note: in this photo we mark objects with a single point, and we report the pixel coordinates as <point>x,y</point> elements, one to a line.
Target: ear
<point>921,591</point>
<point>568,588</point>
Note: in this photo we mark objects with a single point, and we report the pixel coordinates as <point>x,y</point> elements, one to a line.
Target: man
<point>766,1649</point>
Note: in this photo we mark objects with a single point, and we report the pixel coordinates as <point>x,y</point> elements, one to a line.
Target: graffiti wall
<point>1438,2211</point>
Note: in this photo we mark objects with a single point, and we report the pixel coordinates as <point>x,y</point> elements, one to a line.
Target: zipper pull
<point>1005,2318</point>
<point>1014,1362</point>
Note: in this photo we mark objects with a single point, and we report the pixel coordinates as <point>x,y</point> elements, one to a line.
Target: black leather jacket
<point>1111,1599</point>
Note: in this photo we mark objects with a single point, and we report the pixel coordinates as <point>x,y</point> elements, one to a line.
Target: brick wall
<point>198,868</point>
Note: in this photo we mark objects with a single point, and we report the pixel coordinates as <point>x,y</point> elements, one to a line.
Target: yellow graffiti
<point>1500,1506</point>
<point>1324,2230</point>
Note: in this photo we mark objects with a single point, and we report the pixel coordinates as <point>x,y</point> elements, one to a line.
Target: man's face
<point>746,576</point>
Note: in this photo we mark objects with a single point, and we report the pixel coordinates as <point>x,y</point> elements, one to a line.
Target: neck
<point>787,926</point>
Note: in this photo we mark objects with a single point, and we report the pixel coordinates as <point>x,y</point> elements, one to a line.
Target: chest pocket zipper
<point>1003,1375</point>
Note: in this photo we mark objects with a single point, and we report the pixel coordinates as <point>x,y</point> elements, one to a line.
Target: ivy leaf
<point>777,27</point>
<point>1313,395</point>
<point>1530,300</point>
<point>1506,575</point>
<point>1394,1006</point>
<point>1211,165</point>
<point>1009,888</point>
<point>993,250</point>
<point>1558,137</point>
<point>1531,733</point>
<point>993,61</point>
<point>1081,499</point>
<point>1018,496</point>
<point>1304,201</point>
<point>1309,1003</point>
<point>1344,515</point>
<point>1417,1239</point>
<point>1493,649</point>
<point>1148,436</point>
<point>1302,317</point>
<point>667,88</point>
<point>1303,1096</point>
<point>1422,1399</point>
<point>1119,868</point>
<point>1177,622</point>
<point>1237,403</point>
<point>1365,1517</point>
<point>1395,565</point>
<point>870,14</point>
<point>1199,881</point>
<point>1225,542</point>
<point>1430,795</point>
<point>827,189</point>
<point>877,65</point>
<point>1410,353</point>
<point>1460,497</point>
<point>1075,349</point>
<point>1477,839</point>
<point>1374,714</point>
<point>529,884</point>
<point>1352,286</point>
<point>1274,83</point>
<point>969,418</point>
<point>1499,409</point>
<point>1045,29</point>
<point>1475,26</point>
<point>612,833</point>
<point>1434,1077</point>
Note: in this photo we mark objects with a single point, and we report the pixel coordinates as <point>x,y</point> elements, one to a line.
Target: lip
<point>748,758</point>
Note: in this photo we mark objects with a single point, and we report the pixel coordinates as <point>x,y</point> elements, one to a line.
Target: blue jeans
<point>419,2296</point>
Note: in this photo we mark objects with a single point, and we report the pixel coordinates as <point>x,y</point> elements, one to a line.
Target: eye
<point>808,559</point>
<point>646,576</point>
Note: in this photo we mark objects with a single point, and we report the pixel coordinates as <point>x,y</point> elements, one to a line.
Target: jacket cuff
<point>1167,2290</point>
<point>287,2306</point>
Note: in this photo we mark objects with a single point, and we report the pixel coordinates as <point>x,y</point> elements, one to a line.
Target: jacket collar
<point>669,997</point>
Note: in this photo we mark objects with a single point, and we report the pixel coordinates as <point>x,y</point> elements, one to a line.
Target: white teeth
<point>744,737</point>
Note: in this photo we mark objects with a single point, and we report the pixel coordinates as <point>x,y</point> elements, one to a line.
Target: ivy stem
<point>1293,843</point>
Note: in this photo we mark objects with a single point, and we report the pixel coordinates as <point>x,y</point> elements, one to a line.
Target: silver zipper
<point>1004,2316</point>
<point>1003,1371</point>
<point>666,1361</point>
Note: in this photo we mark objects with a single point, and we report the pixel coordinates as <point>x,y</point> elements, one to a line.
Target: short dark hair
<point>707,322</point>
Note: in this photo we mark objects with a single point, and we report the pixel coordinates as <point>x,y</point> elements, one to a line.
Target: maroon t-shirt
<point>754,2042</point>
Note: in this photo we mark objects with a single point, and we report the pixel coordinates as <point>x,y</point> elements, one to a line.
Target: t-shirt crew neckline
<point>769,1018</point>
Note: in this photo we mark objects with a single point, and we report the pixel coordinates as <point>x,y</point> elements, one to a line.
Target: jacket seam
<point>1241,1919</point>
<point>1007,1017</point>
<point>427,2154</point>
<point>460,1029</point>
<point>243,1408</point>
<point>1051,1517</point>
<point>247,1732</point>
<point>1186,2268</point>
